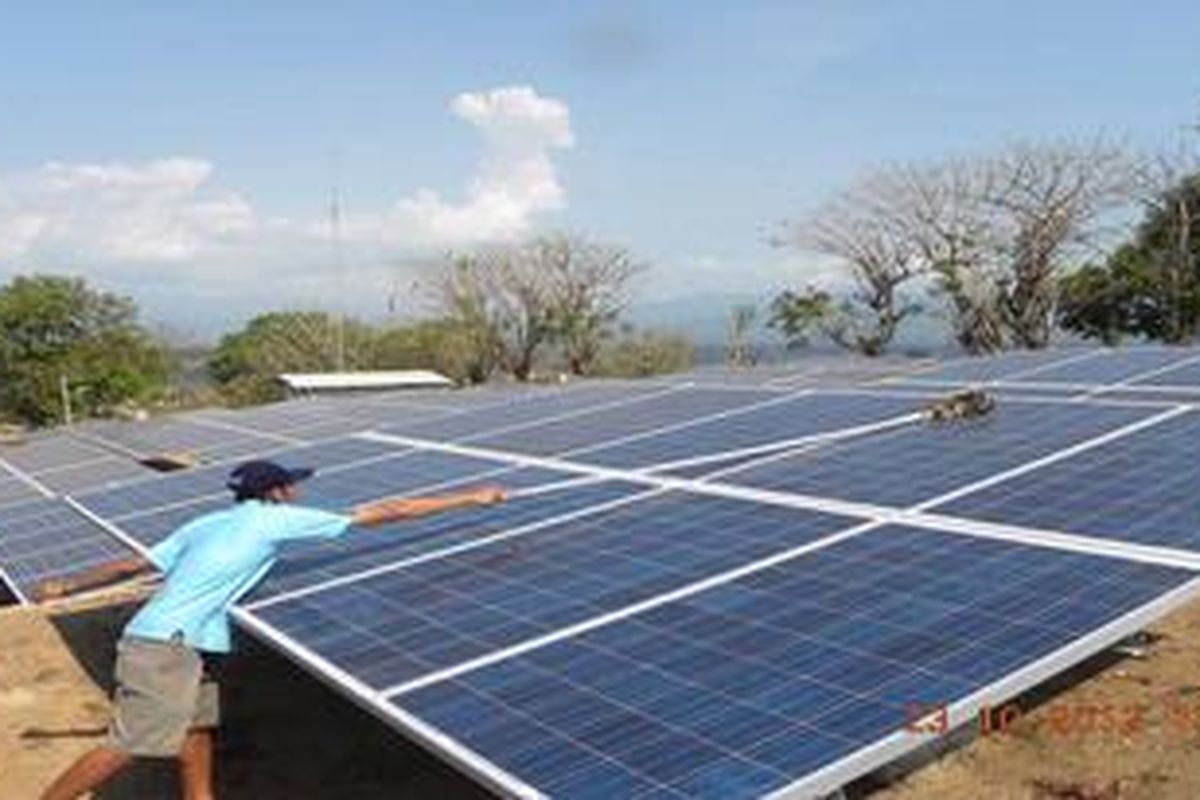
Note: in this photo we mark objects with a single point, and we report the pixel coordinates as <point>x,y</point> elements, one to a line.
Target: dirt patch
<point>1130,730</point>
<point>284,735</point>
<point>1115,729</point>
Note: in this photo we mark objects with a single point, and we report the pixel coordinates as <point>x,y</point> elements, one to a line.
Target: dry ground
<point>285,735</point>
<point>1127,729</point>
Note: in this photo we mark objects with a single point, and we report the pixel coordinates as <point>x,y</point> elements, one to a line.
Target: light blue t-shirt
<point>215,559</point>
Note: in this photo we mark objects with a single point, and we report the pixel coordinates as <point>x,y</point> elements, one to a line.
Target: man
<point>165,701</point>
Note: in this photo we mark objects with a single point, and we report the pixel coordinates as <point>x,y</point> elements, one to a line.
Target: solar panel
<point>1140,488</point>
<point>787,679</point>
<point>610,634</point>
<point>441,611</point>
<point>314,419</point>
<point>91,475</point>
<point>14,490</point>
<point>1151,394</point>
<point>150,511</point>
<point>1109,366</point>
<point>47,538</point>
<point>1186,374</point>
<point>145,438</point>
<point>50,452</point>
<point>730,695</point>
<point>522,411</point>
<point>604,425</point>
<point>919,462</point>
<point>209,481</point>
<point>405,473</point>
<point>306,564</point>
<point>1005,366</point>
<point>764,424</point>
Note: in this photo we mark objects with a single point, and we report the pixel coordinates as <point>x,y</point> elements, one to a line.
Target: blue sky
<point>199,140</point>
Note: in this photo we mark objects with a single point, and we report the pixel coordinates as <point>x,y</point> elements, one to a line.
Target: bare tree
<point>464,295</point>
<point>517,299</point>
<point>1048,206</point>
<point>501,297</point>
<point>939,211</point>
<point>996,232</point>
<point>740,351</point>
<point>588,289</point>
<point>860,231</point>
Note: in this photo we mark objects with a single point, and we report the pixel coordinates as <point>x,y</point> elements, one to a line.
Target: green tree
<point>798,315</point>
<point>636,354</point>
<point>1150,286</point>
<point>246,363</point>
<point>55,329</point>
<point>449,346</point>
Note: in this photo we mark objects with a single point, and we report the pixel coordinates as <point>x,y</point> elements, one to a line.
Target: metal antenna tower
<point>335,236</point>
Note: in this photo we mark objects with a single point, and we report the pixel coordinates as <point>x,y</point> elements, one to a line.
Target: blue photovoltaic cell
<point>335,488</point>
<point>397,626</point>
<point>746,688</point>
<point>609,424</point>
<point>49,452</point>
<point>1187,374</point>
<point>991,368</point>
<point>522,409</point>
<point>925,460</point>
<point>307,563</point>
<point>402,474</point>
<point>178,435</point>
<point>92,475</point>
<point>926,393</point>
<point>718,468</point>
<point>1161,396</point>
<point>203,482</point>
<point>1141,488</point>
<point>49,539</point>
<point>493,395</point>
<point>65,464</point>
<point>723,375</point>
<point>1109,366</point>
<point>278,417</point>
<point>788,419</point>
<point>310,419</point>
<point>14,491</point>
<point>1018,391</point>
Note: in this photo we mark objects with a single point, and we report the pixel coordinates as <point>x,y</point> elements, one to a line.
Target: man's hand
<point>52,589</point>
<point>385,511</point>
<point>488,495</point>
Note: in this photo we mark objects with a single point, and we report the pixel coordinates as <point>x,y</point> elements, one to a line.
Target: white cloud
<point>169,221</point>
<point>155,212</point>
<point>516,179</point>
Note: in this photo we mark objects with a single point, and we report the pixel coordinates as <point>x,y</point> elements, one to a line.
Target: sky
<point>187,153</point>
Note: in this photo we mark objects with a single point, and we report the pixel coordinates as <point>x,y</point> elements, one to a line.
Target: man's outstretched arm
<point>92,578</point>
<point>393,510</point>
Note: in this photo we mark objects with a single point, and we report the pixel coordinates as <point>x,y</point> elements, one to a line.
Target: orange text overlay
<point>1169,715</point>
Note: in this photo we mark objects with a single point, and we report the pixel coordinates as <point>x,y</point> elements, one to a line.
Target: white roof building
<point>363,381</point>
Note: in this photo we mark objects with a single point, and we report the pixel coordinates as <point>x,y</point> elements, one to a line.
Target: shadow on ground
<point>284,734</point>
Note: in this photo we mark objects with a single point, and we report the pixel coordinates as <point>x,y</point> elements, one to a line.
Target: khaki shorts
<point>162,693</point>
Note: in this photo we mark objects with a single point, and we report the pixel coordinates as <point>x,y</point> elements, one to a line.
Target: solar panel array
<point>726,588</point>
<point>1165,374</point>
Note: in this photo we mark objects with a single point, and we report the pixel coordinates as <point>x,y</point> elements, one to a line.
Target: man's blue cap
<point>255,478</point>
